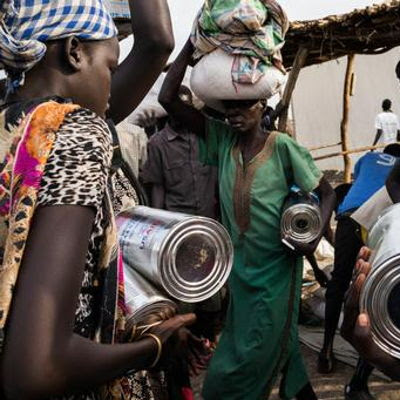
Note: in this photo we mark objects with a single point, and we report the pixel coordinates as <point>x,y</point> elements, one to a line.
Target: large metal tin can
<point>144,303</point>
<point>188,257</point>
<point>380,297</point>
<point>301,218</point>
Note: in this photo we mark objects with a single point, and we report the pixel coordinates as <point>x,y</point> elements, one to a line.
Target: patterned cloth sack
<point>252,32</point>
<point>211,81</point>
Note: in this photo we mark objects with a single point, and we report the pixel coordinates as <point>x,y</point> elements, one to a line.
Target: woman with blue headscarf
<point>61,287</point>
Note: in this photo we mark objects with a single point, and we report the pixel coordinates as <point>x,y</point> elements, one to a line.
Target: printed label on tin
<point>142,232</point>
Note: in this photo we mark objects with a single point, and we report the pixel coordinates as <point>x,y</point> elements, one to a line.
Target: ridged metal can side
<point>301,219</point>
<point>145,304</point>
<point>188,257</point>
<point>380,296</point>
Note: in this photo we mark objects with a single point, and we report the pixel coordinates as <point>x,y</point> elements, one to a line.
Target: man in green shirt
<point>256,170</point>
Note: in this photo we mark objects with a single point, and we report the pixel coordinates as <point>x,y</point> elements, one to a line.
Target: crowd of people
<point>66,171</point>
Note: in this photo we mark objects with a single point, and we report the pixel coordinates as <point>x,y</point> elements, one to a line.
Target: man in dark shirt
<point>179,181</point>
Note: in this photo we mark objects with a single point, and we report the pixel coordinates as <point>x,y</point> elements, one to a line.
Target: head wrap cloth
<point>25,26</point>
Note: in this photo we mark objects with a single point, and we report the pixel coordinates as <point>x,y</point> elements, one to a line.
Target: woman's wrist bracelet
<point>159,348</point>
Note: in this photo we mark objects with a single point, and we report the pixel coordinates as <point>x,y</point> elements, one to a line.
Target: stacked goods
<point>381,293</point>
<point>188,258</point>
<point>238,43</point>
<point>301,218</point>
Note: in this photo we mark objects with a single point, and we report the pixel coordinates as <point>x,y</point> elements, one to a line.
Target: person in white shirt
<point>387,125</point>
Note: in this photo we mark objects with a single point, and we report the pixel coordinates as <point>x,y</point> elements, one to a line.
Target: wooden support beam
<point>300,60</point>
<point>344,126</point>
<point>352,151</point>
<point>327,146</point>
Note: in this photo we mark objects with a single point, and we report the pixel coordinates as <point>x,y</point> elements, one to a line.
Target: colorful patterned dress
<point>260,337</point>
<point>53,152</point>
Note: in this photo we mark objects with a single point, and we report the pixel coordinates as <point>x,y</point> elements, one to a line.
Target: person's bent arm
<point>377,137</point>
<point>327,203</point>
<point>327,200</point>
<point>42,356</point>
<point>153,44</point>
<point>169,98</point>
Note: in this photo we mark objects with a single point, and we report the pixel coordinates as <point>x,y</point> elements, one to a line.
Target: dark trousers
<point>347,246</point>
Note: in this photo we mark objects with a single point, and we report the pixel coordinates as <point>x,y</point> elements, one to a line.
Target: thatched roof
<point>373,30</point>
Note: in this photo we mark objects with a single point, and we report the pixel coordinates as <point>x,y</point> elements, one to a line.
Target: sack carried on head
<point>239,42</point>
<point>211,81</point>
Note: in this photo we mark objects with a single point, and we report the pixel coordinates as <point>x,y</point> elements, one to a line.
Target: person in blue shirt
<point>370,174</point>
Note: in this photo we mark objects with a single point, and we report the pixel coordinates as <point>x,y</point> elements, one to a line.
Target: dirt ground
<point>330,387</point>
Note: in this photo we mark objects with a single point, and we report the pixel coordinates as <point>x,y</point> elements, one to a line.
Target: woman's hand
<point>178,341</point>
<point>356,327</point>
<point>172,326</point>
<point>169,333</point>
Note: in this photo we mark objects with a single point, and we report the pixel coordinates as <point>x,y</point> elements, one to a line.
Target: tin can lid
<point>195,258</point>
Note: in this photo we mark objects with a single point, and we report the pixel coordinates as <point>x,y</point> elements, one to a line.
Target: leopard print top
<point>76,172</point>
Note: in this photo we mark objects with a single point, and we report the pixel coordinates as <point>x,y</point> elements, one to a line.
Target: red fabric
<point>187,393</point>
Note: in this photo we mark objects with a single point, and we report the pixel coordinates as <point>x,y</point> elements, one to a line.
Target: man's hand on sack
<point>356,327</point>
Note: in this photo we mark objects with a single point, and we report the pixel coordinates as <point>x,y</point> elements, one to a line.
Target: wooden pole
<point>344,126</point>
<point>300,60</point>
<point>327,146</point>
<point>353,151</point>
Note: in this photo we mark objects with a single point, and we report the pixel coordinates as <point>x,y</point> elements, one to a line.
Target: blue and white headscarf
<point>25,26</point>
